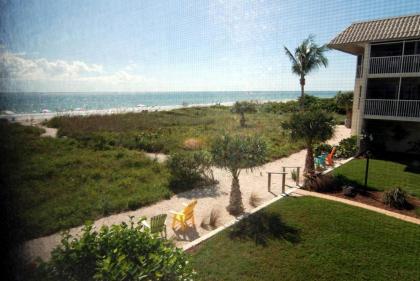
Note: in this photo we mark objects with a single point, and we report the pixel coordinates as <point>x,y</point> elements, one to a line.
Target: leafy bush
<point>189,169</point>
<point>347,147</point>
<point>396,198</point>
<point>149,142</point>
<point>120,252</point>
<point>322,147</point>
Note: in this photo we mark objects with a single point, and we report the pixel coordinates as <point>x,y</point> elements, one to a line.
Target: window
<point>410,88</point>
<point>412,48</point>
<point>382,88</point>
<point>386,50</point>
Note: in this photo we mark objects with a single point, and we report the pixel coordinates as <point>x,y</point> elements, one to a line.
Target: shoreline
<point>36,117</point>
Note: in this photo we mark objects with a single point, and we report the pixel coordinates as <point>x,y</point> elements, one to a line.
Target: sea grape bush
<point>120,252</point>
<point>189,169</point>
<point>347,147</point>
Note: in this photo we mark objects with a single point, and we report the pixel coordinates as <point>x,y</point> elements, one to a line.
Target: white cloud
<point>15,68</point>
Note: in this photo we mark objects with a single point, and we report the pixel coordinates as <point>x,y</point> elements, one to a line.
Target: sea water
<point>63,102</point>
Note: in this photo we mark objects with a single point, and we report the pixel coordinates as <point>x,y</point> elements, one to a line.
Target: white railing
<point>411,63</point>
<point>394,64</point>
<point>388,107</point>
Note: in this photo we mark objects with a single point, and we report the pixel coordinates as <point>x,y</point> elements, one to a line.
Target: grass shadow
<point>262,227</point>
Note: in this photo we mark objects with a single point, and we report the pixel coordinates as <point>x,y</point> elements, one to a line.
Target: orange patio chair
<point>187,214</point>
<point>330,157</point>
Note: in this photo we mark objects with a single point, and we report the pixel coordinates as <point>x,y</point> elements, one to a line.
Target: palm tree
<point>243,107</point>
<point>311,127</point>
<point>344,100</point>
<point>308,57</point>
<point>235,153</point>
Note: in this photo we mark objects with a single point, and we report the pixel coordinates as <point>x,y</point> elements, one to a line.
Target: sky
<point>142,45</point>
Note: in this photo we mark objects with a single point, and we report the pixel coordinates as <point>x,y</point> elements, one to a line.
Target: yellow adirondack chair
<point>186,215</point>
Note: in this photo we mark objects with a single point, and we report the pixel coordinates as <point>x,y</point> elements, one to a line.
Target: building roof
<point>403,27</point>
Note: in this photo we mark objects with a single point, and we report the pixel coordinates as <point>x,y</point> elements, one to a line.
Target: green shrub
<point>189,169</point>
<point>120,252</point>
<point>347,147</point>
<point>322,147</point>
<point>396,198</point>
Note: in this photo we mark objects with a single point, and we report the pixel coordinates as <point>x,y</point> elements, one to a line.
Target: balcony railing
<point>395,64</point>
<point>388,107</point>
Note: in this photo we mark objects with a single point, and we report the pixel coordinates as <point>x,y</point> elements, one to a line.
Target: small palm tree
<point>308,56</point>
<point>235,153</point>
<point>344,100</point>
<point>311,127</point>
<point>243,107</point>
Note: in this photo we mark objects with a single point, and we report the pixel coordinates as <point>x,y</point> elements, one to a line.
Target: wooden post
<point>283,183</point>
<point>269,182</point>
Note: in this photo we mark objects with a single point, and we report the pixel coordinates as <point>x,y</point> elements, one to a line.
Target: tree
<point>243,107</point>
<point>308,56</point>
<point>311,127</point>
<point>344,100</point>
<point>235,153</point>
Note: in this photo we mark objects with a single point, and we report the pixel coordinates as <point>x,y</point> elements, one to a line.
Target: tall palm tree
<point>308,56</point>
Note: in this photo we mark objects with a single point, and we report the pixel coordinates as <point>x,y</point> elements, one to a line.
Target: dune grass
<point>317,240</point>
<point>383,174</point>
<point>53,184</point>
<point>167,131</point>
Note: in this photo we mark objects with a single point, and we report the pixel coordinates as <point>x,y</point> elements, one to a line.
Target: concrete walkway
<point>216,197</point>
<point>358,204</point>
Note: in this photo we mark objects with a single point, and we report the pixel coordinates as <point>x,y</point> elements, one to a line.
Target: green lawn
<point>316,240</point>
<point>383,174</point>
<point>52,184</point>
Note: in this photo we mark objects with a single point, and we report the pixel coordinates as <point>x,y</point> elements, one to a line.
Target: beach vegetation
<point>126,251</point>
<point>52,184</point>
<point>307,57</point>
<point>311,127</point>
<point>236,153</point>
<point>344,101</point>
<point>242,107</point>
<point>347,147</point>
<point>190,169</point>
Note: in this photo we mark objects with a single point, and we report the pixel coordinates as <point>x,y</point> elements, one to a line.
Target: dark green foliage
<point>336,242</point>
<point>396,198</point>
<point>310,103</point>
<point>347,147</point>
<point>322,147</point>
<point>53,184</point>
<point>120,252</point>
<point>238,152</point>
<point>344,100</point>
<point>310,127</point>
<point>189,169</point>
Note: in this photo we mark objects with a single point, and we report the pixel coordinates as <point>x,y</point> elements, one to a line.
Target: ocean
<point>22,103</point>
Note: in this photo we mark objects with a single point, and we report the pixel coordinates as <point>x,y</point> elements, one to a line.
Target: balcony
<point>395,64</point>
<point>392,109</point>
